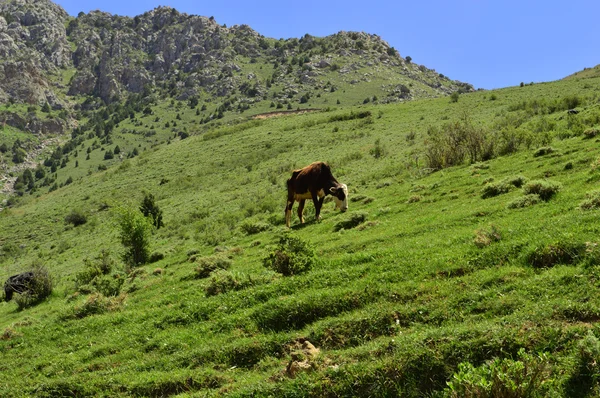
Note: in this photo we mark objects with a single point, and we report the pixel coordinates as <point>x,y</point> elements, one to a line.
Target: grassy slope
<point>393,307</point>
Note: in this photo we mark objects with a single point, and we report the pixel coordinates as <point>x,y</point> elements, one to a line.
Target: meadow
<point>454,272</point>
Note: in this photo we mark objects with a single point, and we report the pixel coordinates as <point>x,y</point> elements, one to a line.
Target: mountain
<point>98,58</point>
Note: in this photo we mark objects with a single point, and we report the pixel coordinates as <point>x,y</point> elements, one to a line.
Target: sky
<point>488,43</point>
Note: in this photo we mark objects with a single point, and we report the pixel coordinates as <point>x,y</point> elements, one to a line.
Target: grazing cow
<point>314,181</point>
<point>19,283</point>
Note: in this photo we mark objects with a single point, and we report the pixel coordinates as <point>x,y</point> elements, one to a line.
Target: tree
<point>135,230</point>
<point>150,209</point>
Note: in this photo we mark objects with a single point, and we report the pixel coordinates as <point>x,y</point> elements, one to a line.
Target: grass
<point>404,293</point>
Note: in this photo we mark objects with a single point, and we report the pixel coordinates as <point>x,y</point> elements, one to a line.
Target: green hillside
<point>466,265</point>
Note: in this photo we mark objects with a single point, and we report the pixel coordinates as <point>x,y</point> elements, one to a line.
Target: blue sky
<point>490,44</point>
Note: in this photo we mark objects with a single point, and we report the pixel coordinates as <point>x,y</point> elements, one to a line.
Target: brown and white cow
<point>314,181</point>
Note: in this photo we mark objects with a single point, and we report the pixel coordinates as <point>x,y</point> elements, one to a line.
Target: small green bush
<point>40,288</point>
<point>485,237</point>
<point>223,281</point>
<point>543,151</point>
<point>206,265</point>
<point>591,132</point>
<point>96,303</point>
<point>149,208</point>
<point>254,227</point>
<point>544,188</point>
<point>560,252</point>
<point>135,231</point>
<point>524,201</point>
<point>96,276</point>
<point>585,379</point>
<point>76,217</point>
<point>494,189</point>
<point>292,256</point>
<point>517,181</point>
<point>591,202</point>
<point>524,377</point>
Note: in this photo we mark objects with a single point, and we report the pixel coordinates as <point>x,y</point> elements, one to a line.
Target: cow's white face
<point>340,197</point>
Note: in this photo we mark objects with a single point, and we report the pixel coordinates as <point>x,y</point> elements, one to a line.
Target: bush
<point>97,303</point>
<point>585,380</point>
<point>76,217</point>
<point>485,237</point>
<point>591,132</point>
<point>354,220</point>
<point>254,227</point>
<point>135,230</point>
<point>494,189</point>
<point>39,288</point>
<point>293,256</point>
<point>150,209</point>
<point>545,150</point>
<point>97,276</point>
<point>524,201</point>
<point>560,252</point>
<point>591,202</point>
<point>545,189</point>
<point>206,265</point>
<point>223,281</point>
<point>525,377</point>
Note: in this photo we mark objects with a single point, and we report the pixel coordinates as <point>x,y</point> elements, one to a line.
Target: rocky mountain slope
<point>49,57</point>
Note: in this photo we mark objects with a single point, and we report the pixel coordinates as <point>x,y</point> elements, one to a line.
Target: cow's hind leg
<point>301,210</point>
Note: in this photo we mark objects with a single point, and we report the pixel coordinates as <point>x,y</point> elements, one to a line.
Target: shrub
<point>354,220</point>
<point>96,303</point>
<point>76,217</point>
<point>150,209</point>
<point>591,202</point>
<point>254,227</point>
<point>293,256</point>
<point>485,237</point>
<point>544,188</point>
<point>206,265</point>
<point>560,252</point>
<point>454,97</point>
<point>39,288</point>
<point>524,201</point>
<point>223,281</point>
<point>96,276</point>
<point>494,189</point>
<point>517,181</point>
<point>135,230</point>
<point>591,132</point>
<point>525,377</point>
<point>586,379</point>
<point>545,150</point>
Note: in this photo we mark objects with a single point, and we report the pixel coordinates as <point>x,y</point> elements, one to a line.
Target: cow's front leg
<point>318,202</point>
<point>288,213</point>
<point>301,210</point>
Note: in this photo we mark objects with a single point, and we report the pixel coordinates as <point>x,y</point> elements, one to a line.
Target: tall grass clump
<point>592,201</point>
<point>543,188</point>
<point>291,257</point>
<point>585,379</point>
<point>457,142</point>
<point>39,288</point>
<point>97,276</point>
<point>560,252</point>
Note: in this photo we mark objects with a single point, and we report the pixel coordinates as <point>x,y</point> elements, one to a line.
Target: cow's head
<point>340,196</point>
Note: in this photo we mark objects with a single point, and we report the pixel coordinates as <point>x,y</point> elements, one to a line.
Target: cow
<point>19,283</point>
<point>314,181</point>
